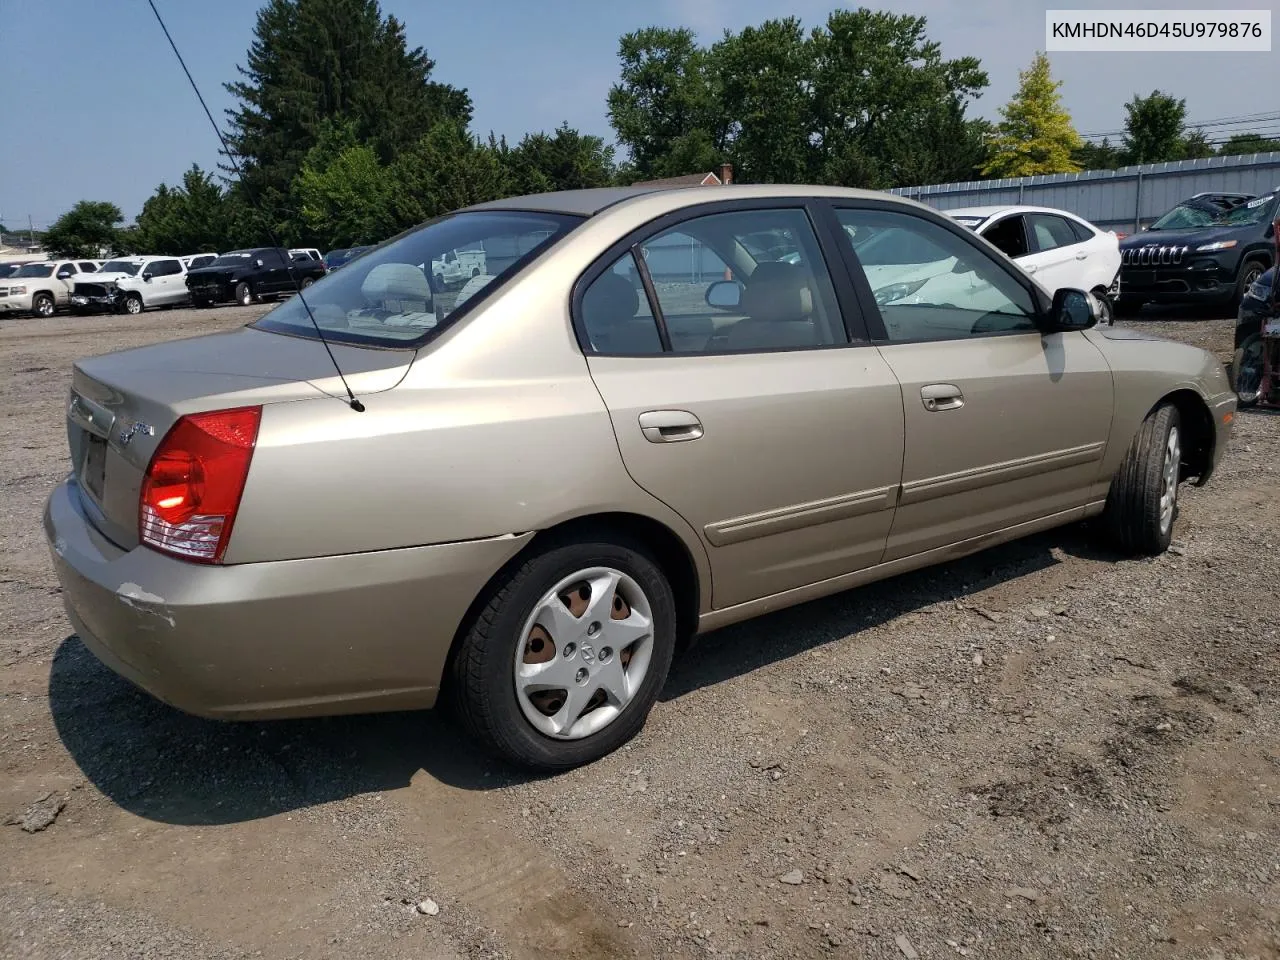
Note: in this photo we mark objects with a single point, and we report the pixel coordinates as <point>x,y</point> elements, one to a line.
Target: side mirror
<point>724,294</point>
<point>1072,310</point>
<point>65,275</point>
<point>147,275</point>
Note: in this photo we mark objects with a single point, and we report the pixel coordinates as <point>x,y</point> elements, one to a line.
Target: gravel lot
<point>1040,751</point>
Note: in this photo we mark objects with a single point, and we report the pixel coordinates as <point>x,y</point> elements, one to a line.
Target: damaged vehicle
<point>642,427</point>
<point>131,285</point>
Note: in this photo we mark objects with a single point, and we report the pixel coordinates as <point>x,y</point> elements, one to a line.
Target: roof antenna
<point>352,402</point>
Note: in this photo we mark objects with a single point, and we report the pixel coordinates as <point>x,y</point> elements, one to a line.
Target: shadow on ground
<point>167,766</point>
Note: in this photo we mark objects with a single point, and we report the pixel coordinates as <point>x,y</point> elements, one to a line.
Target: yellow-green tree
<point>1035,135</point>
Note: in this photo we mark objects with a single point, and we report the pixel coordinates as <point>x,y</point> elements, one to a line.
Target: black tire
<point>1247,360</point>
<point>1106,309</point>
<point>1250,271</point>
<point>244,294</point>
<point>1133,521</point>
<point>475,272</point>
<point>482,690</point>
<point>199,302</point>
<point>132,304</point>
<point>42,305</point>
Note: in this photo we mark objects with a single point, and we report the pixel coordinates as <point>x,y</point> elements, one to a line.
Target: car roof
<point>1000,211</point>
<point>589,202</point>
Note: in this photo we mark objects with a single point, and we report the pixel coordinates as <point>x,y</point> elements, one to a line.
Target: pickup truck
<point>246,276</point>
<point>458,266</point>
<point>42,288</point>
<point>131,285</point>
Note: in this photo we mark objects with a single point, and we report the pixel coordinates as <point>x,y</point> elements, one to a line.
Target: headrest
<point>612,298</point>
<point>777,291</point>
<point>396,281</point>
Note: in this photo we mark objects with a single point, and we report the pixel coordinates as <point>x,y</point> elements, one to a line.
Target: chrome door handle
<point>938,397</point>
<point>1030,268</point>
<point>1082,256</point>
<point>669,426</point>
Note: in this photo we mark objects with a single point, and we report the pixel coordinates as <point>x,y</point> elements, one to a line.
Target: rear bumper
<point>328,635</point>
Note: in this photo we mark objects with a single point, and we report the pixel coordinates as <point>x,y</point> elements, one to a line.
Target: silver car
<point>650,413</point>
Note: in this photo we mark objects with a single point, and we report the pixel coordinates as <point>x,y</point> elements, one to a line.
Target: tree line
<point>341,135</point>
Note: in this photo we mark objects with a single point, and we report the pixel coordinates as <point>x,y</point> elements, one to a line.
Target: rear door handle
<point>938,397</point>
<point>1030,267</point>
<point>669,426</point>
<point>1082,255</point>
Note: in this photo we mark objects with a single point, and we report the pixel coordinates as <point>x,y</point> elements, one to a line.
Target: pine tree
<point>318,61</point>
<point>1035,135</point>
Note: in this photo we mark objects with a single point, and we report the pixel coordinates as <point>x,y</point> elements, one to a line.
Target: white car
<point>131,285</point>
<point>195,261</point>
<point>41,288</point>
<point>1058,248</point>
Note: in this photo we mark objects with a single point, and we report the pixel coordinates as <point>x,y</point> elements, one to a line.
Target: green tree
<point>1246,143</point>
<point>86,230</point>
<point>191,218</point>
<point>1196,146</point>
<point>1103,155</point>
<point>663,109</point>
<point>313,61</point>
<point>446,169</point>
<point>1154,128</point>
<point>866,99</point>
<point>1035,134</point>
<point>563,160</point>
<point>343,193</point>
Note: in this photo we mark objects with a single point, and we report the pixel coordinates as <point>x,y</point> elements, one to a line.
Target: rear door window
<point>1051,232</point>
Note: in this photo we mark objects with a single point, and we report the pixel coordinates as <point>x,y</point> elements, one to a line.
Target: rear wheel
<point>1143,502</point>
<point>1246,370</point>
<point>307,281</point>
<point>244,294</point>
<point>564,662</point>
<point>1106,310</point>
<point>42,305</point>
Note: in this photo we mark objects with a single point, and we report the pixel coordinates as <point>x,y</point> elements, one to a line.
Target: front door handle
<point>1082,256</point>
<point>938,397</point>
<point>669,426</point>
<point>1030,267</point>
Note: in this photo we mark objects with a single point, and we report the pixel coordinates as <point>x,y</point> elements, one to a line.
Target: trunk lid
<point>122,404</point>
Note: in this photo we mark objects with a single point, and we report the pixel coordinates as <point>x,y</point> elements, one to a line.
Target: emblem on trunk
<point>138,427</point>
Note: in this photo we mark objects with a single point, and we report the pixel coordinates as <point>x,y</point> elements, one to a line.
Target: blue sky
<point>96,106</point>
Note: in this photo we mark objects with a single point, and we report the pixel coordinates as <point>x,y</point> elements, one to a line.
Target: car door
<point>777,439</point>
<point>169,281</point>
<point>1061,259</point>
<point>64,280</point>
<point>1006,427</point>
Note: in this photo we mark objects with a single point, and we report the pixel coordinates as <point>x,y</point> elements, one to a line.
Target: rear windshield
<point>233,259</point>
<point>121,266</point>
<point>402,293</point>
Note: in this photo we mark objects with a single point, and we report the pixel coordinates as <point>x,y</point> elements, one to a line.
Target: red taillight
<point>193,484</point>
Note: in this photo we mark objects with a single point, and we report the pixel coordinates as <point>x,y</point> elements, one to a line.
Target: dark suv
<point>245,276</point>
<point>1256,308</point>
<point>1202,252</point>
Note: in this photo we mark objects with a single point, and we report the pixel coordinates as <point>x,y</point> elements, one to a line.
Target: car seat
<point>609,309</point>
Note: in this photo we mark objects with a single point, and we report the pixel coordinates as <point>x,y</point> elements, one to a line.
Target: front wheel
<point>244,295</point>
<point>42,305</point>
<point>564,662</point>
<point>133,304</point>
<point>1249,274</point>
<point>1143,502</point>
<point>1246,370</point>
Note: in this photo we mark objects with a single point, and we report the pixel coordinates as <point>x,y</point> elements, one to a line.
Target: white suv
<point>41,288</point>
<point>131,285</point>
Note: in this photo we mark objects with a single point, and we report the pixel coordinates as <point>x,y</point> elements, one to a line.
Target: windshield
<point>399,293</point>
<point>236,259</point>
<point>1197,215</point>
<point>121,266</point>
<point>35,270</point>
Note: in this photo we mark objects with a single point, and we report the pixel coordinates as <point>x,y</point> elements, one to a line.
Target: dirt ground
<point>1040,751</point>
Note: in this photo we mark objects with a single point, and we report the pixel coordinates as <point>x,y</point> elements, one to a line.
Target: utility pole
<point>31,231</point>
